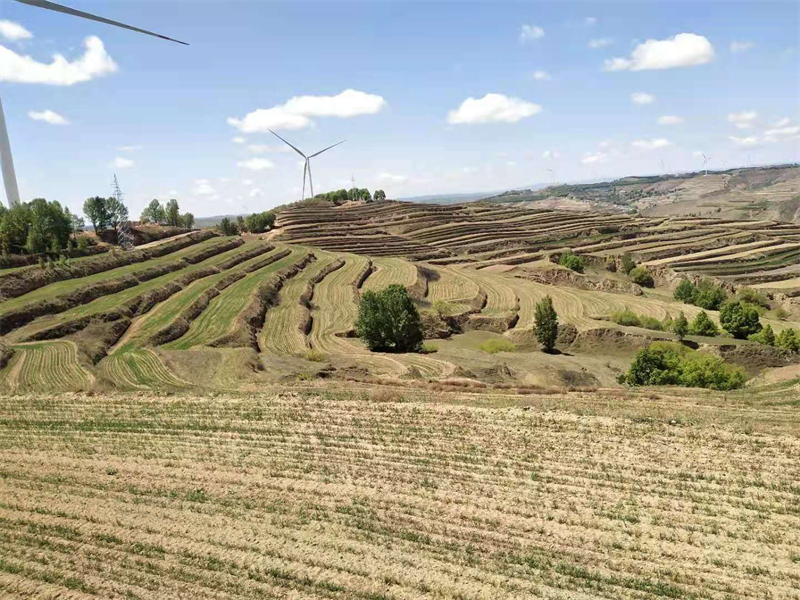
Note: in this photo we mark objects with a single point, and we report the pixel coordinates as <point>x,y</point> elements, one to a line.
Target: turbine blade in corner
<point>79,13</point>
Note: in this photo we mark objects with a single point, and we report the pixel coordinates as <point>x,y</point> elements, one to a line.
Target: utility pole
<point>124,236</point>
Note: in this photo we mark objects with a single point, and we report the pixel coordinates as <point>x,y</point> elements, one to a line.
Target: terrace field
<point>393,493</point>
<point>206,312</point>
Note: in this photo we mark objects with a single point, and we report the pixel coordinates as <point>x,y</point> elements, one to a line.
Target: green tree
<point>83,243</point>
<point>172,213</point>
<point>571,261</point>
<point>379,195</point>
<point>187,220</point>
<point>680,326</point>
<point>95,210</point>
<point>117,213</point>
<point>260,222</point>
<point>706,371</point>
<point>626,264</point>
<point>241,225</point>
<point>228,227</point>
<point>389,320</point>
<point>685,291</point>
<point>154,213</point>
<point>766,336</point>
<point>789,339</point>
<point>546,323</point>
<point>703,325</point>
<point>641,276</point>
<point>76,224</point>
<point>740,319</point>
<point>709,296</point>
<point>654,366</point>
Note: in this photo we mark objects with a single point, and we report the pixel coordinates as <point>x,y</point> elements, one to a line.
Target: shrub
<point>495,346</point>
<point>751,296</point>
<point>650,323</point>
<point>641,276</point>
<point>766,336</point>
<point>442,308</point>
<point>315,356</point>
<point>546,323</point>
<point>611,264</point>
<point>572,261</point>
<point>703,325</point>
<point>665,364</point>
<point>681,326</point>
<point>626,317</point>
<point>709,297</point>
<point>789,339</point>
<point>626,264</point>
<point>781,313</point>
<point>429,348</point>
<point>83,243</point>
<point>388,320</point>
<point>740,319</point>
<point>667,323</point>
<point>685,291</point>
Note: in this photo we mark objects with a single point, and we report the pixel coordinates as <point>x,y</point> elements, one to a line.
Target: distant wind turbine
<point>6,161</point>
<point>553,174</point>
<point>705,163</point>
<point>307,165</point>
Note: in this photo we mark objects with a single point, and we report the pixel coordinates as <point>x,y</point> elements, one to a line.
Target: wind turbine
<point>705,163</point>
<point>553,174</point>
<point>307,165</point>
<point>6,161</point>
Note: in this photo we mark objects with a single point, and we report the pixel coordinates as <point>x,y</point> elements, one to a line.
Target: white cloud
<point>128,148</point>
<point>590,21</point>
<point>95,62</point>
<point>14,31</point>
<point>780,134</point>
<point>782,122</point>
<point>239,140</point>
<point>600,42</point>
<point>744,141</point>
<point>541,76</point>
<point>202,187</point>
<point>670,120</point>
<point>492,108</point>
<point>295,112</point>
<point>264,149</point>
<point>257,164</point>
<point>591,159</point>
<point>172,193</point>
<point>551,155</point>
<point>247,182</point>
<point>683,50</point>
<point>642,98</point>
<point>744,119</point>
<point>121,163</point>
<point>528,33</point>
<point>48,116</point>
<point>391,178</point>
<point>511,163</point>
<point>255,193</point>
<point>741,46</point>
<point>653,144</point>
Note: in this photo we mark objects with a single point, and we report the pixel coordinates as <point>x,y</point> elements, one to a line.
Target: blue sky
<point>545,90</point>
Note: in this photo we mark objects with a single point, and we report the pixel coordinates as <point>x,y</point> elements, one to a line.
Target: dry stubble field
<point>373,494</point>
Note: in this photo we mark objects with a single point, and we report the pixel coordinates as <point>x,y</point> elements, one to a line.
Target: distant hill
<point>749,193</point>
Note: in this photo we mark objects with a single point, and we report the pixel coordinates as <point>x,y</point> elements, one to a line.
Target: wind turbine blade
<point>326,149</point>
<point>305,168</point>
<point>310,180</point>
<point>288,144</point>
<point>79,13</point>
<point>7,164</point>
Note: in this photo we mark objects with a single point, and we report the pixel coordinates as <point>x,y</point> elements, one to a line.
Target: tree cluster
<point>37,226</point>
<point>705,294</point>
<point>166,214</point>
<point>572,261</point>
<point>388,320</point>
<point>105,213</point>
<point>255,223</point>
<point>672,364</point>
<point>353,194</point>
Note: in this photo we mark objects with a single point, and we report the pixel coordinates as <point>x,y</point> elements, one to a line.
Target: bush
<point>429,348</point>
<point>546,323</point>
<point>781,313</point>
<point>789,339</point>
<point>766,336</point>
<point>641,276</point>
<point>495,346</point>
<point>388,320</point>
<point>650,323</point>
<point>228,227</point>
<point>740,319</point>
<point>611,264</point>
<point>626,264</point>
<point>626,317</point>
<point>685,291</point>
<point>315,356</point>
<point>666,364</point>
<point>572,261</point>
<point>703,325</point>
<point>751,296</point>
<point>680,326</point>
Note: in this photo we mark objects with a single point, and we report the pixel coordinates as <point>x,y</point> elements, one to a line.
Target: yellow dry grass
<point>376,495</point>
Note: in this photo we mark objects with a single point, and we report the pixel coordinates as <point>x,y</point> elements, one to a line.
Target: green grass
<point>495,346</point>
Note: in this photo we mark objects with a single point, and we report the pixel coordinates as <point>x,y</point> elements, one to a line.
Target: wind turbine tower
<point>705,163</point>
<point>6,160</point>
<point>307,165</point>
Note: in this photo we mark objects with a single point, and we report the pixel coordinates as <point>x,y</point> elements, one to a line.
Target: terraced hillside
<point>382,494</point>
<point>213,312</point>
